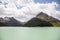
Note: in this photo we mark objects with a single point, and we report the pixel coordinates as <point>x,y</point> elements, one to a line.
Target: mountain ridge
<point>46,18</point>
<point>41,20</point>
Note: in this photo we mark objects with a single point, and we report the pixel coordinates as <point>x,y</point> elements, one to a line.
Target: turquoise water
<point>29,33</point>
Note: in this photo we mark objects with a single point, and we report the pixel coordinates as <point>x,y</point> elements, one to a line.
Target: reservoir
<point>29,33</point>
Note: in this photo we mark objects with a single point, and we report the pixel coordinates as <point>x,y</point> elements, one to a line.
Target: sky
<point>24,10</point>
<point>49,1</point>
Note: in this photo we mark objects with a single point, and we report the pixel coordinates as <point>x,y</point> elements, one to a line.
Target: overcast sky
<point>24,10</point>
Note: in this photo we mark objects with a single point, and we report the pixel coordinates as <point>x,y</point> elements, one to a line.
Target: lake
<point>29,33</point>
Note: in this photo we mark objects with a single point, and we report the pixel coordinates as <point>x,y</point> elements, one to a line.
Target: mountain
<point>9,21</point>
<point>52,20</point>
<point>42,19</point>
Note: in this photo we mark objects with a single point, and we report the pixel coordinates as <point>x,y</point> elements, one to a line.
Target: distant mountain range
<point>9,21</point>
<point>41,20</point>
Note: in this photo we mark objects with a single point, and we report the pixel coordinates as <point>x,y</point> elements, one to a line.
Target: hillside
<point>42,19</point>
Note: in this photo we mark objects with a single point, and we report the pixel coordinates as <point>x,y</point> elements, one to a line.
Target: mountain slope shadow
<point>37,22</point>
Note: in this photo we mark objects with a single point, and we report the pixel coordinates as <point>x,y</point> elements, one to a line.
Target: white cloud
<point>29,10</point>
<point>24,2</point>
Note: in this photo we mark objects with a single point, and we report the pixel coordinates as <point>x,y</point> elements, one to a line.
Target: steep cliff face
<point>43,19</point>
